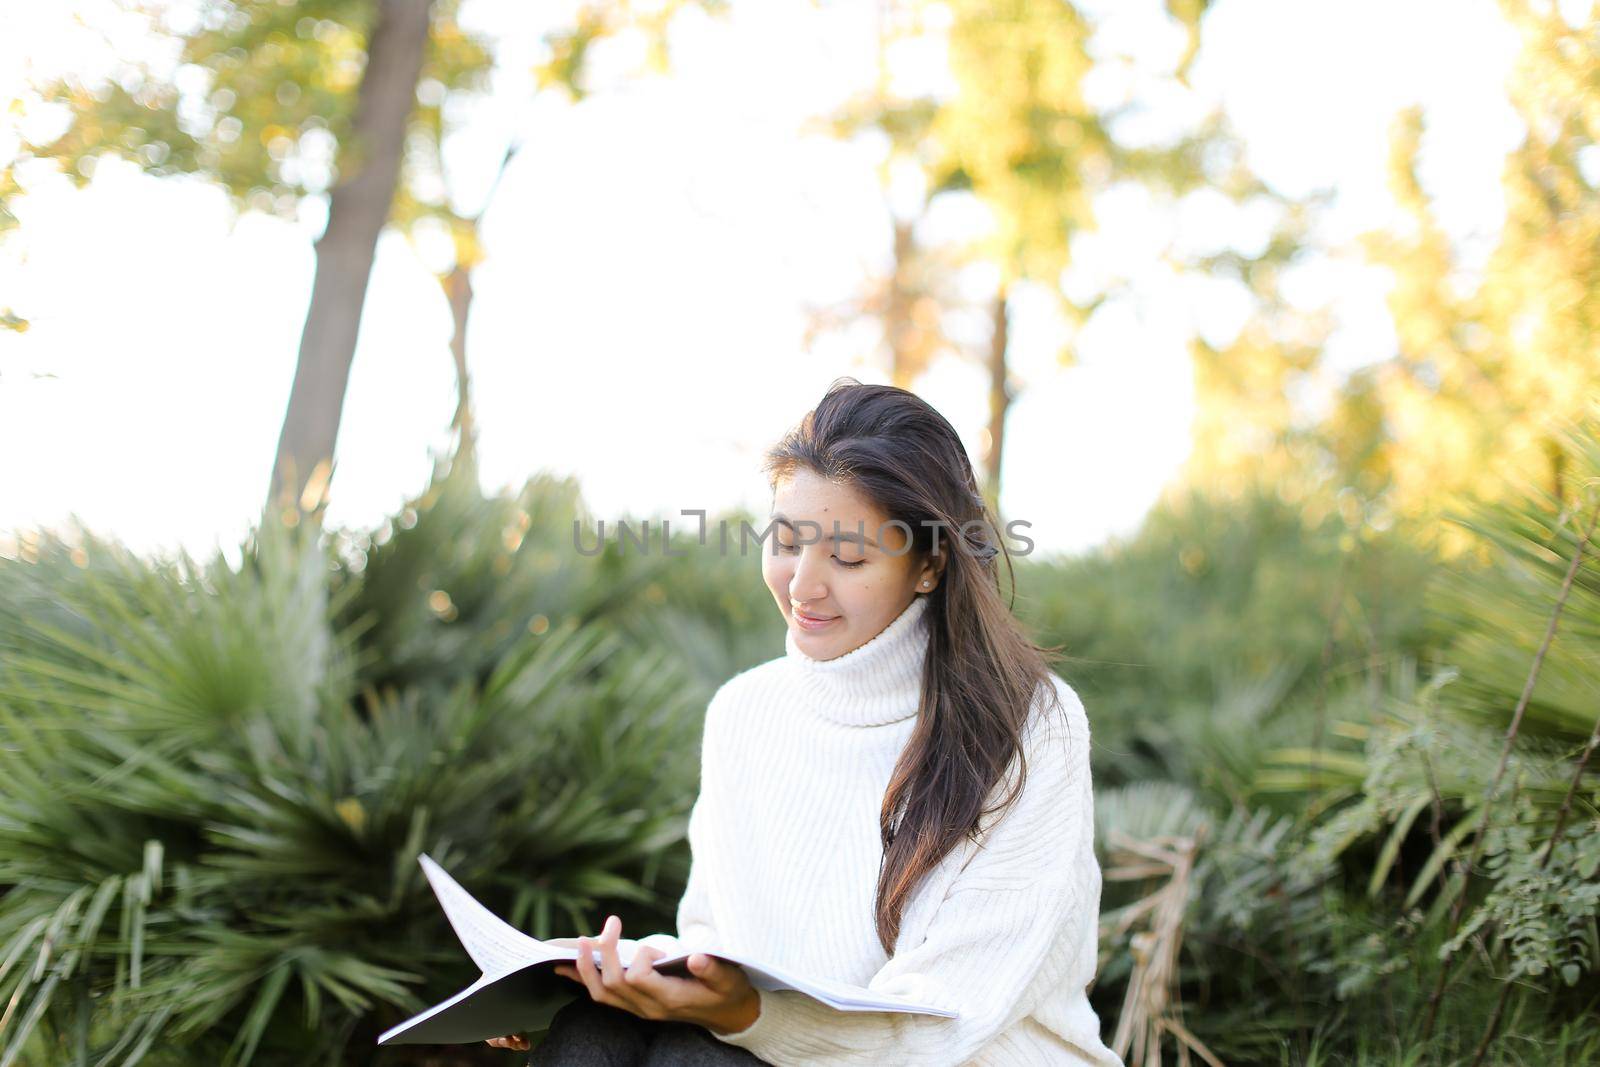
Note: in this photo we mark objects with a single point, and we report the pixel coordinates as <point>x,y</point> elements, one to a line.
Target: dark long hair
<point>982,672</point>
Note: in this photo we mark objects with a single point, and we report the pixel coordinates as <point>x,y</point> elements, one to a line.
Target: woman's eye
<point>842,562</point>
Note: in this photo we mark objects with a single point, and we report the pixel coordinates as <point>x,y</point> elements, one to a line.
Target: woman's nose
<point>805,584</point>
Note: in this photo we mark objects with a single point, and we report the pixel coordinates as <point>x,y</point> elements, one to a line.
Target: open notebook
<point>518,976</point>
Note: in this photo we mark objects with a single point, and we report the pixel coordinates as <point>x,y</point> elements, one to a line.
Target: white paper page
<point>482,981</point>
<point>840,995</point>
<point>494,944</point>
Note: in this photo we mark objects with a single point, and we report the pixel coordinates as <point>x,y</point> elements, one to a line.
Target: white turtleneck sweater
<point>796,757</point>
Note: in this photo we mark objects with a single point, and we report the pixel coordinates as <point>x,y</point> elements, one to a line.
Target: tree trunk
<point>358,208</point>
<point>999,398</point>
<point>897,309</point>
<point>458,289</point>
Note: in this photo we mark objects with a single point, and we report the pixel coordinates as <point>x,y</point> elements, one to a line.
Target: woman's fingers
<point>614,976</point>
<point>636,988</point>
<point>658,996</point>
<point>515,1042</point>
<point>588,973</point>
<point>610,961</point>
<point>644,962</point>
<point>710,970</point>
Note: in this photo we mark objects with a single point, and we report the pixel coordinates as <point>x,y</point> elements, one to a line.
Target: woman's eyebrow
<point>841,536</point>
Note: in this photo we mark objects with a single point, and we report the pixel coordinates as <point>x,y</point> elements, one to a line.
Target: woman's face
<point>856,583</point>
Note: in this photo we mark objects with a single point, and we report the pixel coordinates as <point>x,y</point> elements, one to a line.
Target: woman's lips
<point>811,622</point>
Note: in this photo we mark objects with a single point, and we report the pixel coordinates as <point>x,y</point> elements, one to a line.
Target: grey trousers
<point>586,1034</point>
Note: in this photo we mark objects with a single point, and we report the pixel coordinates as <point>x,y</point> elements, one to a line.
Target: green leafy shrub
<point>217,782</point>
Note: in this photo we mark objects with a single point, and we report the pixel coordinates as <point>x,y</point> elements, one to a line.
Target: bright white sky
<point>651,255</point>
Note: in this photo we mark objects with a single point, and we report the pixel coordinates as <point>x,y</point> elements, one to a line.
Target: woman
<point>900,801</point>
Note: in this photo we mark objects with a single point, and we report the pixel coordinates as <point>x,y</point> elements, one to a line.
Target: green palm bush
<point>1221,630</point>
<point>1492,612</point>
<point>1253,935</point>
<point>495,568</point>
<point>1286,958</point>
<point>217,781</point>
<point>1319,707</point>
<point>1470,803</point>
<point>445,589</point>
<point>708,604</point>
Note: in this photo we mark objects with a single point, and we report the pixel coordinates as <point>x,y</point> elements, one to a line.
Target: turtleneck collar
<point>874,684</point>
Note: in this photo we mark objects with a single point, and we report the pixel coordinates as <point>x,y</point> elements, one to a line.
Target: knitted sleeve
<point>1005,934</point>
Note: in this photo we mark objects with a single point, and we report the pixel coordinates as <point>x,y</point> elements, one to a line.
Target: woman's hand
<point>515,1042</point>
<point>719,996</point>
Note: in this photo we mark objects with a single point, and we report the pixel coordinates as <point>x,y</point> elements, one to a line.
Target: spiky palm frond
<point>1496,612</point>
<point>210,822</point>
